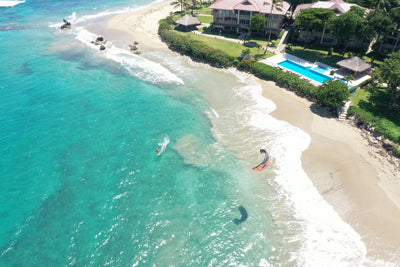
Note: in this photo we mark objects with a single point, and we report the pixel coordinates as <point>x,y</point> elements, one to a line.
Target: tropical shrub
<point>333,94</point>
<point>381,125</point>
<point>265,72</point>
<point>289,80</point>
<point>245,64</point>
<point>195,48</point>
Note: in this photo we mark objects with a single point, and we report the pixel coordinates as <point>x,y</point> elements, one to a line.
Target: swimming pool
<point>305,71</point>
<point>320,69</point>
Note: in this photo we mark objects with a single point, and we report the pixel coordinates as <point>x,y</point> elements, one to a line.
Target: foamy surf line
<point>138,66</point>
<point>10,3</point>
<point>326,240</point>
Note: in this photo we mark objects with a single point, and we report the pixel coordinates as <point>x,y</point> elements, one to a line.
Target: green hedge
<point>381,125</point>
<point>286,79</point>
<point>190,47</point>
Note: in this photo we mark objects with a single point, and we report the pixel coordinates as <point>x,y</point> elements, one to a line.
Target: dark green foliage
<point>265,72</point>
<point>188,46</point>
<point>349,27</point>
<point>289,80</point>
<point>245,64</point>
<point>257,23</point>
<point>389,72</point>
<point>246,51</point>
<point>374,111</point>
<point>381,125</point>
<point>333,93</point>
<point>165,24</point>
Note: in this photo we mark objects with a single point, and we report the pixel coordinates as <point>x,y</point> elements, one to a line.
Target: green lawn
<point>360,95</point>
<point>373,103</point>
<point>232,48</point>
<point>313,55</point>
<point>204,19</point>
<point>320,54</point>
<point>203,10</point>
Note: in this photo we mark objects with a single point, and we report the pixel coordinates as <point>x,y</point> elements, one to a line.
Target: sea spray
<point>163,144</point>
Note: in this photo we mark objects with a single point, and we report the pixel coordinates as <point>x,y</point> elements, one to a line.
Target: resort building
<point>339,6</point>
<point>323,38</point>
<point>235,15</point>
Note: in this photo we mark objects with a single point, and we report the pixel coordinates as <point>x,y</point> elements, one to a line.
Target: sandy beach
<point>359,180</point>
<point>355,176</point>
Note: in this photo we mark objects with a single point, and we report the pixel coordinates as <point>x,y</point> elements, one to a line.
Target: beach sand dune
<point>357,179</point>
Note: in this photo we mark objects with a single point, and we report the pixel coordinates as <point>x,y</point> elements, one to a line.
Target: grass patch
<point>203,10</point>
<point>370,106</point>
<point>205,19</point>
<point>315,54</point>
<point>360,95</point>
<point>231,48</point>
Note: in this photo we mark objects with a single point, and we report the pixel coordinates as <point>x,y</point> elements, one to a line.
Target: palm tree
<point>179,3</point>
<point>275,4</point>
<point>384,5</point>
<point>348,79</point>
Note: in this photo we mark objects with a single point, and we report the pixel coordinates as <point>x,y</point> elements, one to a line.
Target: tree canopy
<point>333,93</point>
<point>389,72</point>
<point>349,27</point>
<point>314,19</point>
<point>257,23</point>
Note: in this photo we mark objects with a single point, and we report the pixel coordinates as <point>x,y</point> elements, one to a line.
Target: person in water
<point>158,152</point>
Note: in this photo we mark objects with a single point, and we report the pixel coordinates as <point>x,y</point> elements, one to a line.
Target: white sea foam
<point>326,239</point>
<point>164,143</point>
<point>138,66</point>
<point>10,3</point>
<point>320,237</point>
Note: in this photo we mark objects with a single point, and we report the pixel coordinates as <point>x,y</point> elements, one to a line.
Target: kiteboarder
<point>264,164</point>
<point>243,216</point>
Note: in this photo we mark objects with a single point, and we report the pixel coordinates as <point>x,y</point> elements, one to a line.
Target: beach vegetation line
<point>189,46</point>
<point>369,107</point>
<point>198,49</point>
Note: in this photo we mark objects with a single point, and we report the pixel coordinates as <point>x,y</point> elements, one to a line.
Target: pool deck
<point>273,61</point>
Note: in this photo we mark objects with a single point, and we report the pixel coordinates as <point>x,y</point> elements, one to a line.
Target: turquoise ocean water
<point>81,183</point>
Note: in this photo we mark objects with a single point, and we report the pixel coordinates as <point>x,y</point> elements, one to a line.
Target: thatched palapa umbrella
<point>354,64</point>
<point>188,21</point>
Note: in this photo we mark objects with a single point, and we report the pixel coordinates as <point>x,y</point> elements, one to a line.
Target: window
<point>273,25</point>
<point>224,12</point>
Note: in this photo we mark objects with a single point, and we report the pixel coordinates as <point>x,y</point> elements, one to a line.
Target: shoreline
<point>350,174</point>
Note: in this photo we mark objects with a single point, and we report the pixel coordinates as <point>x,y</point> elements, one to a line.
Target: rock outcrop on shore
<point>66,25</point>
<point>134,48</point>
<point>101,42</point>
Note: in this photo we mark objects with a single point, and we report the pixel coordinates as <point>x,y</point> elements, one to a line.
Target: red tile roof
<point>339,5</point>
<point>261,6</point>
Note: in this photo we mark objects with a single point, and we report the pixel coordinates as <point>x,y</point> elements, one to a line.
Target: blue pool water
<point>308,72</point>
<point>320,69</point>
